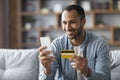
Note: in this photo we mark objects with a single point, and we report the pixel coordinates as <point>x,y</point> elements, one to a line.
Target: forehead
<point>70,15</point>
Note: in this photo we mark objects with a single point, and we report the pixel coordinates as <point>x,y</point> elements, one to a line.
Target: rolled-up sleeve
<point>43,76</point>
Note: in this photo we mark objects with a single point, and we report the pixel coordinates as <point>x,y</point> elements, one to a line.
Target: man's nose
<point>68,27</point>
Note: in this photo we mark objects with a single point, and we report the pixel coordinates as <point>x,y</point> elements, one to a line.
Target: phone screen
<point>45,41</point>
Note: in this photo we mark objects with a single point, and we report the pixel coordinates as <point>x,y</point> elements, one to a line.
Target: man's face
<point>71,24</point>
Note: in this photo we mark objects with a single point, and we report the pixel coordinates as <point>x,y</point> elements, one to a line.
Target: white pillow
<point>115,58</point>
<point>19,64</point>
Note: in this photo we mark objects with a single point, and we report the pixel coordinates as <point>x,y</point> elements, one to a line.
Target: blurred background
<point>23,22</point>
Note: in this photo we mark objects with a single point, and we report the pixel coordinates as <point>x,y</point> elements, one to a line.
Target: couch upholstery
<point>19,64</point>
<point>23,64</point>
<point>115,64</point>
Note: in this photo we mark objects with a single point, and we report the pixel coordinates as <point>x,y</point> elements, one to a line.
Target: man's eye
<point>64,23</point>
<point>73,22</point>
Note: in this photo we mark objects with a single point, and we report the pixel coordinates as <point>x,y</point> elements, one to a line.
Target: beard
<point>78,34</point>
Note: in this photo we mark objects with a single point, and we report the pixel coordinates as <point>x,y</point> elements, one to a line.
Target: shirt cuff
<point>43,75</point>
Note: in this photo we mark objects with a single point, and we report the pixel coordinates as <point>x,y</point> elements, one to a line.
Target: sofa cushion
<point>115,59</point>
<point>19,64</point>
<point>115,64</point>
<point>115,73</point>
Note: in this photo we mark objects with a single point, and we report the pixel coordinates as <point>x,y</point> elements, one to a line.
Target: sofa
<point>115,64</point>
<point>19,64</point>
<point>23,64</point>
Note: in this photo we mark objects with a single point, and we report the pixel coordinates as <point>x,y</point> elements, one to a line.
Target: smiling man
<point>91,58</point>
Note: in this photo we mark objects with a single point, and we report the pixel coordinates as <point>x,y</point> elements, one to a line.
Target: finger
<point>77,65</point>
<point>80,60</point>
<point>48,61</point>
<point>42,48</point>
<point>74,65</point>
<point>76,58</point>
<point>47,58</point>
<point>45,53</point>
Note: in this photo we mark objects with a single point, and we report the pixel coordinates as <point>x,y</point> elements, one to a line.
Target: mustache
<point>71,30</point>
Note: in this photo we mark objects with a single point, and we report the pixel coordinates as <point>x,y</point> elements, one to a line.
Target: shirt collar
<point>86,39</point>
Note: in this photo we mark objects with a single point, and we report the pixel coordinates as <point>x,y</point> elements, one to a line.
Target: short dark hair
<point>78,8</point>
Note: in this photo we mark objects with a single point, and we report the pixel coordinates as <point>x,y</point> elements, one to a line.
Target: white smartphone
<point>46,41</point>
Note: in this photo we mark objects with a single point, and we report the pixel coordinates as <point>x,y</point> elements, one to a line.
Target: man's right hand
<point>45,59</point>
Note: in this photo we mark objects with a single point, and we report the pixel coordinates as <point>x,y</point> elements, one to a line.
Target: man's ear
<point>83,22</point>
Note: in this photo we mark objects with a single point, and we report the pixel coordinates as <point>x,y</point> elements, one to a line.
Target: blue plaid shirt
<point>94,48</point>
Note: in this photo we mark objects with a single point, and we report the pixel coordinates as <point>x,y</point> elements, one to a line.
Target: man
<point>92,64</point>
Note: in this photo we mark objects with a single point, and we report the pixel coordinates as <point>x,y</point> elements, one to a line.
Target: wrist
<point>47,71</point>
<point>87,72</point>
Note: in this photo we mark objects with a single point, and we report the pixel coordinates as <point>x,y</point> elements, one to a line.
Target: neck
<point>79,40</point>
